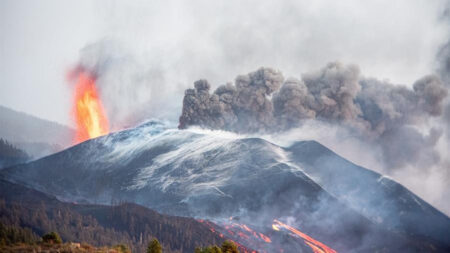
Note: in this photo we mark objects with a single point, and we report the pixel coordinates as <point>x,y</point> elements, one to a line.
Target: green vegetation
<point>41,247</point>
<point>16,239</point>
<point>227,247</point>
<point>26,215</point>
<point>12,235</point>
<point>210,249</point>
<point>52,238</point>
<point>122,248</point>
<point>154,246</point>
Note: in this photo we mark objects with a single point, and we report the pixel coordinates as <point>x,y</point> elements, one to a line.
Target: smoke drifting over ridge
<point>394,126</point>
<point>388,115</point>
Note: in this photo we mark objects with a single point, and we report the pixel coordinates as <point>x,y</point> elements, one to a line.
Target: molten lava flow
<point>315,245</point>
<point>315,248</point>
<point>230,235</point>
<point>89,115</point>
<point>265,238</point>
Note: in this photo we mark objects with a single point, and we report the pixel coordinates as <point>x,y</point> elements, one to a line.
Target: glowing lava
<point>89,115</point>
<point>315,245</point>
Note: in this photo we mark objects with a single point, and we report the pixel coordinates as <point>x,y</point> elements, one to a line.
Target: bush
<point>154,247</point>
<point>52,238</point>
<point>211,249</point>
<point>229,247</point>
<point>122,248</point>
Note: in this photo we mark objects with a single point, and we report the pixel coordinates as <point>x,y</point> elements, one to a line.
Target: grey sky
<point>188,40</point>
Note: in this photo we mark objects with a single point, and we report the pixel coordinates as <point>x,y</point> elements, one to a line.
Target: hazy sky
<point>178,42</point>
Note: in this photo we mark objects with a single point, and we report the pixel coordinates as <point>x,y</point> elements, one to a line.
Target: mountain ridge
<point>38,137</point>
<point>205,175</point>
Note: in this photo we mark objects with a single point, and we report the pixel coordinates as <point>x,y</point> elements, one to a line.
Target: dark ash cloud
<point>389,116</point>
<point>242,107</point>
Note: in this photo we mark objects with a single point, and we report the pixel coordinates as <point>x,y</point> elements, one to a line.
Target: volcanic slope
<point>216,175</point>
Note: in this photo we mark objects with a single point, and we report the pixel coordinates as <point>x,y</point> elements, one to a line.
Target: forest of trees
<point>14,239</point>
<point>10,155</point>
<point>227,247</point>
<point>33,214</point>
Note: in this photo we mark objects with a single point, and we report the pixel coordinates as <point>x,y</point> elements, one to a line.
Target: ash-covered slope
<point>375,196</point>
<point>215,176</point>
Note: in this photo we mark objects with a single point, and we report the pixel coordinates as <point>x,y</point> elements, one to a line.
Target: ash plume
<point>242,107</point>
<point>443,54</point>
<point>443,67</point>
<point>393,117</point>
<point>325,94</point>
<point>443,59</point>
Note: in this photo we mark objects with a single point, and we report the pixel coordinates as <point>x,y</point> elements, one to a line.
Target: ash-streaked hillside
<point>215,176</point>
<point>38,137</point>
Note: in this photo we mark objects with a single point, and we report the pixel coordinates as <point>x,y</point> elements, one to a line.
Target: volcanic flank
<point>319,196</point>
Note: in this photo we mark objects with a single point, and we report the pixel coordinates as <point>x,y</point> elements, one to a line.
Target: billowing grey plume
<point>335,93</point>
<point>243,107</point>
<point>377,111</point>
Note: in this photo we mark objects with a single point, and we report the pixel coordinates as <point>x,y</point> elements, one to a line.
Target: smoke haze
<point>366,79</point>
<point>177,42</point>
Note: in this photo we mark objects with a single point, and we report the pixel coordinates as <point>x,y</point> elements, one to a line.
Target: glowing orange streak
<point>314,248</point>
<point>265,238</point>
<point>246,228</point>
<point>318,246</point>
<point>90,117</point>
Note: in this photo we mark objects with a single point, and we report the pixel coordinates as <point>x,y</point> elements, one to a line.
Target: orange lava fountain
<point>315,245</point>
<point>90,117</point>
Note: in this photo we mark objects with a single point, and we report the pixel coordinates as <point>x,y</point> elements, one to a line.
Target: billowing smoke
<point>328,94</point>
<point>393,117</point>
<point>443,67</point>
<point>243,107</point>
<point>443,54</point>
<point>443,59</point>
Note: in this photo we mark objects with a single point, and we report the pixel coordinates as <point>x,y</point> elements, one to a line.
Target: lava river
<point>280,238</point>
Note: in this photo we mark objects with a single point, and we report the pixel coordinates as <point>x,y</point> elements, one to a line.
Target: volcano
<point>228,179</point>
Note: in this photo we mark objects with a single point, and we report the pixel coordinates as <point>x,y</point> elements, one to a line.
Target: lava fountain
<point>88,112</point>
